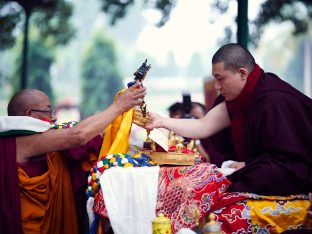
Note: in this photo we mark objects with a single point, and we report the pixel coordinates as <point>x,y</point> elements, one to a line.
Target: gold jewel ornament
<point>140,116</point>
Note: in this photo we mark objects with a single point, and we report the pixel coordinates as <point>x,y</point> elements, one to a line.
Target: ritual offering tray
<point>166,158</point>
<point>170,149</point>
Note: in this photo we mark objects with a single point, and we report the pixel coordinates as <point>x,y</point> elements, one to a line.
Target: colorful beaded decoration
<point>108,161</point>
<point>65,125</point>
<point>114,160</point>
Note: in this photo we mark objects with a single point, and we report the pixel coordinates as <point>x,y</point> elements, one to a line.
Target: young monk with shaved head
<point>36,193</point>
<point>270,122</point>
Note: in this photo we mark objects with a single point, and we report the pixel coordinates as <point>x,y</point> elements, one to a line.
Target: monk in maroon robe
<point>270,122</point>
<point>275,128</point>
<point>16,152</point>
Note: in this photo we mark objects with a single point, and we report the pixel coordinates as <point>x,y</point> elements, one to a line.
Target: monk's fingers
<point>135,86</point>
<point>139,101</point>
<point>139,94</point>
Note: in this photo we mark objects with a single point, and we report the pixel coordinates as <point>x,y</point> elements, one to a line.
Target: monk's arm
<point>214,121</point>
<point>60,139</point>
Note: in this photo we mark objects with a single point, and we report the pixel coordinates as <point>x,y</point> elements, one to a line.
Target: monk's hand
<point>154,121</point>
<point>131,97</point>
<point>237,165</point>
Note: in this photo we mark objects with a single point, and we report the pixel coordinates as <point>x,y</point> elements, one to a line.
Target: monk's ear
<point>243,73</point>
<point>27,113</point>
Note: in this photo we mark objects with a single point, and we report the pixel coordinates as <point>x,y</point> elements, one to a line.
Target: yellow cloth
<point>278,213</point>
<point>116,139</point>
<point>47,201</point>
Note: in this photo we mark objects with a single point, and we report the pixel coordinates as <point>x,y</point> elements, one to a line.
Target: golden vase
<point>161,225</point>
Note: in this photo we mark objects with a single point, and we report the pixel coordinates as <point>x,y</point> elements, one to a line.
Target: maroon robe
<point>79,178</point>
<point>10,211</point>
<point>278,141</point>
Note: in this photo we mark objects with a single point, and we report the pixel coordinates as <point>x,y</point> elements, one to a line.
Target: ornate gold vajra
<point>140,116</point>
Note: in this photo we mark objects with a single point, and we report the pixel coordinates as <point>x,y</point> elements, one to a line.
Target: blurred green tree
<point>101,79</point>
<point>51,18</point>
<point>298,12</point>
<point>117,9</point>
<point>41,56</point>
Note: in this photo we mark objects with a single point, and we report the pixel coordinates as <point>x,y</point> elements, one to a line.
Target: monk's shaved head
<point>234,57</point>
<point>23,100</point>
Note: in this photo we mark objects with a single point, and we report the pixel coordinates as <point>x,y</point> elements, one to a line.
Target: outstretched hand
<point>154,121</point>
<point>131,97</point>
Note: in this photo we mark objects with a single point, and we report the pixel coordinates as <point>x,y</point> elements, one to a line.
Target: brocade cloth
<point>182,190</point>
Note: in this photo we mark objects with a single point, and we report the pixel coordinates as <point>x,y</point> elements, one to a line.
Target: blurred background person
<point>176,110</point>
<point>198,110</point>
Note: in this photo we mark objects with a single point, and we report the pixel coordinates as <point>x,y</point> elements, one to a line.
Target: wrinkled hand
<point>131,97</point>
<point>237,165</point>
<point>154,121</point>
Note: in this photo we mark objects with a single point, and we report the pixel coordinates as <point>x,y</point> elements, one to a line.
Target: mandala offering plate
<point>172,158</point>
<point>170,149</point>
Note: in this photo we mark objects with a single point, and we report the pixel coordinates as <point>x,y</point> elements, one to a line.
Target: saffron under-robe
<point>47,201</point>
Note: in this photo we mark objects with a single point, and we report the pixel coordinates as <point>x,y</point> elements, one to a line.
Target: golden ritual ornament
<point>212,227</point>
<point>140,116</point>
<point>196,216</point>
<point>161,225</point>
<point>168,149</point>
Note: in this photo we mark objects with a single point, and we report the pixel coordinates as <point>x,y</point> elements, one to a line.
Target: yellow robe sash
<point>116,139</point>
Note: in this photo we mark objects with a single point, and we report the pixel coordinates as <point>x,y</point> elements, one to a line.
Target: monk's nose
<point>217,85</point>
<point>53,117</point>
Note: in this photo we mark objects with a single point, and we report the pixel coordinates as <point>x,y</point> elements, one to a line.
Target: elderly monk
<point>42,201</point>
<point>271,125</point>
